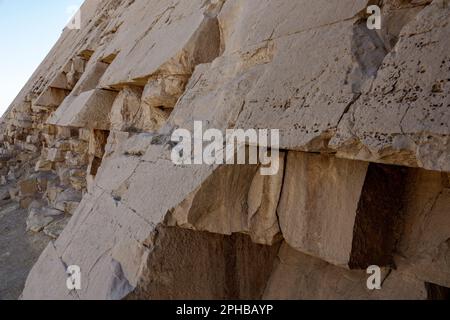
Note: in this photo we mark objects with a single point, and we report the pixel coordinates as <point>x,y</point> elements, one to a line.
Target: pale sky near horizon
<point>28,30</point>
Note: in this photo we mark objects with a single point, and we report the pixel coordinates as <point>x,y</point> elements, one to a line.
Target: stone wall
<point>364,130</point>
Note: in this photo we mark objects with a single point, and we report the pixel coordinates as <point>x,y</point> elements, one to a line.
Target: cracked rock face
<point>363,175</point>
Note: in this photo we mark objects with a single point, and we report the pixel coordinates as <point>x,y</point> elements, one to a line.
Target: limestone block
<point>299,276</point>
<point>73,159</point>
<point>389,122</point>
<point>63,173</point>
<point>78,146</point>
<point>60,81</point>
<point>78,65</point>
<point>164,92</point>
<point>116,140</point>
<point>28,187</point>
<point>167,44</point>
<point>55,155</point>
<point>78,183</point>
<point>43,165</point>
<point>30,147</point>
<point>126,110</point>
<point>154,118</point>
<point>68,200</point>
<point>51,97</point>
<point>84,134</point>
<point>425,247</point>
<point>234,199</point>
<point>88,110</point>
<point>90,78</point>
<point>320,196</point>
<point>63,132</point>
<point>48,263</point>
<point>52,192</point>
<point>63,145</point>
<point>32,139</point>
<point>39,218</point>
<point>164,274</point>
<point>364,202</point>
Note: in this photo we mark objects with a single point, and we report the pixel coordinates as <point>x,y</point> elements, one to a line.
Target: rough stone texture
<point>425,246</point>
<point>299,276</point>
<point>234,199</point>
<point>315,216</point>
<point>226,267</point>
<point>89,136</point>
<point>402,117</point>
<point>88,110</point>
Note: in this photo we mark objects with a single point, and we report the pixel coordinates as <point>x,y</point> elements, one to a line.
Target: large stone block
<point>51,97</point>
<point>299,276</point>
<point>126,112</point>
<point>425,245</point>
<point>234,199</point>
<point>227,267</point>
<point>346,212</point>
<point>90,110</point>
<point>319,203</point>
<point>403,116</point>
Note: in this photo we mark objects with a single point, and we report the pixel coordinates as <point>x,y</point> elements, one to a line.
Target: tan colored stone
<point>91,77</point>
<point>164,92</point>
<point>60,81</point>
<point>234,199</point>
<point>43,165</point>
<point>389,122</point>
<point>28,187</point>
<point>52,97</point>
<point>88,110</point>
<point>229,267</point>
<point>126,110</point>
<point>55,155</point>
<point>319,203</point>
<point>299,276</point>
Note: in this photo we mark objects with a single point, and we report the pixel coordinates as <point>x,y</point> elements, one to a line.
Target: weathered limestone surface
<point>299,276</point>
<point>319,204</point>
<point>86,148</point>
<point>89,110</point>
<point>234,199</point>
<point>402,117</point>
<point>226,267</point>
<point>424,248</point>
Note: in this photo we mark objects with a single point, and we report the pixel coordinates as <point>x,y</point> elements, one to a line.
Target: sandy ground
<point>19,249</point>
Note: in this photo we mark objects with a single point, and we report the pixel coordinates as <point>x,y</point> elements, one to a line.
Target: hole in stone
<point>436,292</point>
<point>379,217</point>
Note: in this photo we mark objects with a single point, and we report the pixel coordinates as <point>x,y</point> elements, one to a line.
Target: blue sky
<point>28,30</point>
